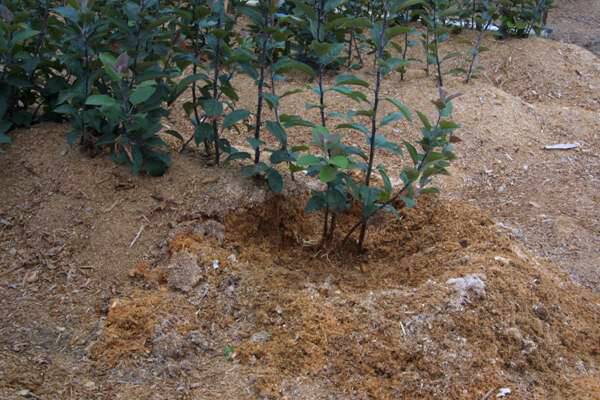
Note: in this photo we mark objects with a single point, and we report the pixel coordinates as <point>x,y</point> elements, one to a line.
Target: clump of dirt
<point>130,324</point>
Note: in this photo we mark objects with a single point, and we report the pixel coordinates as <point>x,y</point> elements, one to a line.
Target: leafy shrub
<point>212,109</point>
<point>521,17</point>
<point>122,79</point>
<point>482,20</point>
<point>30,77</point>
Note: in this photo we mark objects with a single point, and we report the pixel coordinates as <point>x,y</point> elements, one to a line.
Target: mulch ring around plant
<point>441,306</point>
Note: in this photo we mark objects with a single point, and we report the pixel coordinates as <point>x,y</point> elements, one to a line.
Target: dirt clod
<point>184,273</point>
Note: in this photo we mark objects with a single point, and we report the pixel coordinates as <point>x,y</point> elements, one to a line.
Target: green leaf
<point>4,139</point>
<point>401,107</point>
<point>327,174</point>
<point>294,120</point>
<point>107,59</point>
<point>253,14</point>
<point>238,155</point>
<point>414,154</point>
<point>353,94</point>
<point>275,180</point>
<point>407,4</point>
<point>23,35</point>
<point>350,80</point>
<point>277,131</point>
<point>271,99</point>
<point>280,156</point>
<point>446,110</point>
<point>204,131</point>
<point>382,142</point>
<point>234,117</point>
<point>387,183</point>
<point>228,352</point>
<point>68,12</point>
<point>308,159</point>
<point>449,125</point>
<point>184,83</point>
<point>65,109</point>
<point>340,161</point>
<point>391,117</point>
<point>141,94</point>
<point>409,202</point>
<point>300,147</point>
<point>101,100</point>
<point>175,134</point>
<point>212,107</point>
<point>288,65</point>
<point>255,143</point>
<point>156,165</point>
<point>424,120</point>
<point>396,30</point>
<point>356,126</point>
<point>411,173</point>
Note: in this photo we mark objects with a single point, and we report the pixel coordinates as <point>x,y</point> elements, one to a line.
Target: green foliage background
<point>112,68</point>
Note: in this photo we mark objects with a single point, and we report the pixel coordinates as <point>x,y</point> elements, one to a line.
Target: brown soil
<point>576,21</point>
<point>86,312</point>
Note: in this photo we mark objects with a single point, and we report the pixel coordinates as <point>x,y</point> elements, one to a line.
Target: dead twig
<point>137,236</point>
<point>10,271</point>
<point>109,209</point>
<point>487,395</point>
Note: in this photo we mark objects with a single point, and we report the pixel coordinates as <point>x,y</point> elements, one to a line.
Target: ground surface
<point>87,312</point>
<point>577,21</point>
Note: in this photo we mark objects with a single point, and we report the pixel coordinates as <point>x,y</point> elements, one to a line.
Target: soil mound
<point>443,306</point>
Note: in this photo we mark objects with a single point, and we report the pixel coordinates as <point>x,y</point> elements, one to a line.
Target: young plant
<point>434,14</point>
<point>381,34</point>
<point>318,15</point>
<point>432,159</point>
<point>482,22</point>
<point>190,40</point>
<point>30,76</point>
<point>269,37</point>
<point>521,17</point>
<point>332,166</point>
<point>125,98</point>
<point>407,42</point>
<point>84,35</point>
<point>212,109</point>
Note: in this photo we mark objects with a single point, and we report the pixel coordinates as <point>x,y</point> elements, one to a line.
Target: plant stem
<point>404,52</point>
<point>427,52</point>
<point>325,226</point>
<point>261,83</point>
<point>350,43</point>
<point>194,83</point>
<point>394,198</point>
<point>216,93</point>
<point>378,56</point>
<point>274,93</point>
<point>320,5</point>
<point>435,43</point>
<point>332,226</point>
<point>320,21</point>
<point>360,60</point>
<point>476,51</point>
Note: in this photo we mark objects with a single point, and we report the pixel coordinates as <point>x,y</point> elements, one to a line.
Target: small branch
<point>137,236</point>
<point>109,209</point>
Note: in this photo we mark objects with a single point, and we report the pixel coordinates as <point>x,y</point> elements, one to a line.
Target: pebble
<point>261,337</point>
